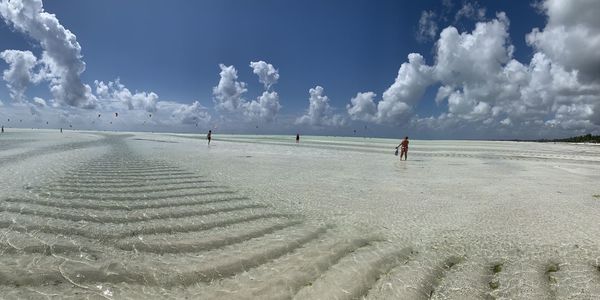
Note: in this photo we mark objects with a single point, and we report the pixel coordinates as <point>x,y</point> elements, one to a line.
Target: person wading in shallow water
<point>209,136</point>
<point>297,138</point>
<point>404,148</point>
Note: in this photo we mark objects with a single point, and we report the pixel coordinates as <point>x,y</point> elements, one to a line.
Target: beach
<point>165,216</point>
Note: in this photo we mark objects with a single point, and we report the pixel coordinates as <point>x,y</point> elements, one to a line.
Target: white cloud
<point>319,111</point>
<point>117,92</point>
<point>572,36</point>
<point>472,57</point>
<point>228,93</point>
<point>62,53</point>
<point>486,90</point>
<point>362,107</point>
<point>267,74</point>
<point>484,84</point>
<point>471,11</point>
<point>180,113</point>
<point>61,64</point>
<point>19,74</point>
<point>265,108</point>
<point>399,99</point>
<point>39,102</point>
<point>408,88</point>
<point>428,27</point>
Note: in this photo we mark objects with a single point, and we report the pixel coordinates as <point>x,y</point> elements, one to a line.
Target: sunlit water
<point>108,215</point>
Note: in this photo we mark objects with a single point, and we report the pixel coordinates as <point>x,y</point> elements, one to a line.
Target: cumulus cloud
<point>267,74</point>
<point>471,57</point>
<point>485,89</point>
<point>428,27</point>
<point>117,92</point>
<point>362,107</point>
<point>399,99</point>
<point>19,74</point>
<point>319,111</point>
<point>229,91</point>
<point>61,55</point>
<point>265,108</point>
<point>470,10</point>
<point>190,114</point>
<point>571,36</point>
<point>408,88</point>
<point>483,83</point>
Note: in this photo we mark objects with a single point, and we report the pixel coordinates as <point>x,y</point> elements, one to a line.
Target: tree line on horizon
<point>588,138</point>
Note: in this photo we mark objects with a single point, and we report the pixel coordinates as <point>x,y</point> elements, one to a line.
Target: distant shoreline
<point>583,139</point>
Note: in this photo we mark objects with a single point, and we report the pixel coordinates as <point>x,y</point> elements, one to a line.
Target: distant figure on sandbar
<point>2,128</point>
<point>404,148</point>
<point>61,130</point>
<point>209,136</point>
<point>297,138</point>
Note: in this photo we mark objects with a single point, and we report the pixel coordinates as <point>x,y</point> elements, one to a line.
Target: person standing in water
<point>297,138</point>
<point>61,130</point>
<point>2,128</point>
<point>209,136</point>
<point>404,148</point>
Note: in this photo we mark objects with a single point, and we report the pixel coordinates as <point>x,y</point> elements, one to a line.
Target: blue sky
<point>174,48</point>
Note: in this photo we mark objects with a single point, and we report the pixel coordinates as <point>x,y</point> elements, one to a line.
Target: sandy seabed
<point>164,216</point>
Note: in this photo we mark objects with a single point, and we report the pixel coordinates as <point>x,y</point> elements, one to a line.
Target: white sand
<point>163,215</point>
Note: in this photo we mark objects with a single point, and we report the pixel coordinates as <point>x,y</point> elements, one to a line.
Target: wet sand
<point>140,215</point>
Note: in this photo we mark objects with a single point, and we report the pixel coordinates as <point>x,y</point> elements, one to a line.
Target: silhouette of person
<point>404,148</point>
<point>61,130</point>
<point>209,136</point>
<point>2,128</point>
<point>297,138</point>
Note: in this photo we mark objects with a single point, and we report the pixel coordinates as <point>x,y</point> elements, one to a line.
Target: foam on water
<point>105,215</point>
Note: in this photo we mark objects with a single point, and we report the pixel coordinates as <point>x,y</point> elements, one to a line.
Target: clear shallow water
<point>163,216</point>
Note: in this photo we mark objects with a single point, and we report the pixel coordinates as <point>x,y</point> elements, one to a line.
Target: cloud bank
<point>483,86</point>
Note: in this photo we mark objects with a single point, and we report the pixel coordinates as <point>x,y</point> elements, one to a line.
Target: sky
<point>444,69</point>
